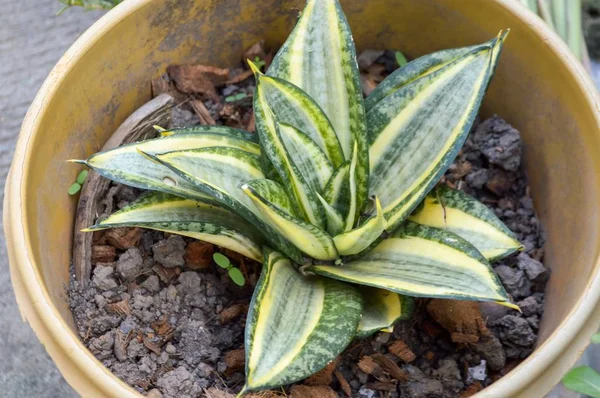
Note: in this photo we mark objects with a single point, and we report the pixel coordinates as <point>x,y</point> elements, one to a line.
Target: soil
<point>169,322</point>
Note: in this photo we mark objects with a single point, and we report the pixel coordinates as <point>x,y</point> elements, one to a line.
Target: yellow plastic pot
<point>539,88</point>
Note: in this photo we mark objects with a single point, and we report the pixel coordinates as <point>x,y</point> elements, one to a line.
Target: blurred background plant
<point>89,4</point>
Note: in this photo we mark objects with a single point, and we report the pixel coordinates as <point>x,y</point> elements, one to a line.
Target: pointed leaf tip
<point>254,68</point>
<point>78,161</point>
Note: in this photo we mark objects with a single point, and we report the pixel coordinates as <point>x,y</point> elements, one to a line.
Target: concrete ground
<point>32,39</point>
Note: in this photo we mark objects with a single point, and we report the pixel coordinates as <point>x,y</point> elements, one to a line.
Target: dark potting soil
<point>165,319</point>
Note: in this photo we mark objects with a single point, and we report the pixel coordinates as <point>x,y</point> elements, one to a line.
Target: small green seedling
<point>234,273</point>
<point>236,97</point>
<point>76,187</point>
<point>259,62</point>
<point>400,59</point>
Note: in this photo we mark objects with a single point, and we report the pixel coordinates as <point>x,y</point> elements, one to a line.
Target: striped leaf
<point>335,221</point>
<point>416,132</point>
<point>219,172</point>
<point>234,133</point>
<point>307,237</point>
<point>423,66</point>
<point>340,191</point>
<point>425,262</point>
<point>296,325</point>
<point>360,238</point>
<point>203,221</point>
<point>310,160</point>
<point>127,164</point>
<point>470,219</point>
<point>320,58</point>
<point>274,148</point>
<point>290,105</point>
<point>381,309</point>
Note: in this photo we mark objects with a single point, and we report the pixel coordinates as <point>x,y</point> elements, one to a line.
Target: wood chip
<point>462,319</point>
<point>400,349</point>
<point>302,391</point>
<point>164,85</point>
<point>345,387</point>
<point>121,308</point>
<point>198,79</point>
<point>382,386</point>
<point>103,254</point>
<point>166,274</point>
<point>251,126</point>
<point>324,377</point>
<point>370,367</point>
<point>163,328</point>
<point>390,367</point>
<point>123,238</point>
<point>471,390</point>
<point>232,312</point>
<point>203,113</point>
<point>235,360</point>
<point>429,355</point>
<point>198,255</point>
<point>151,345</point>
<point>432,329</point>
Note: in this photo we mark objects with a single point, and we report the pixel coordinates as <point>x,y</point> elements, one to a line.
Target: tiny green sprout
<point>73,189</point>
<point>236,276</point>
<point>259,62</point>
<point>222,261</point>
<point>400,59</point>
<point>236,97</point>
<point>81,177</point>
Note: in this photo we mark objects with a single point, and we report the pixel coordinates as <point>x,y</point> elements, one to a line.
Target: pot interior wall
<point>112,79</point>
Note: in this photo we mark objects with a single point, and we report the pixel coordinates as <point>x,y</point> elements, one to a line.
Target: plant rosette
<point>336,196</point>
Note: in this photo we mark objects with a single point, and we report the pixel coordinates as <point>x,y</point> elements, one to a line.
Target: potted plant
<point>260,193</point>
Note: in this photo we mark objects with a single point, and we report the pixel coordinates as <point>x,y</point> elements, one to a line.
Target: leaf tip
<point>510,305</point>
<point>254,68</point>
<point>159,128</point>
<point>148,156</point>
<point>78,161</point>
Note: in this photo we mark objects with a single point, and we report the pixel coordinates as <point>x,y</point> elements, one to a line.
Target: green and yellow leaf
<point>340,191</point>
<point>307,237</point>
<point>219,172</point>
<point>335,221</point>
<point>381,309</point>
<point>229,131</point>
<point>422,261</point>
<point>358,239</point>
<point>416,132</point>
<point>462,214</point>
<point>128,165</point>
<point>320,58</point>
<point>296,325</point>
<point>203,221</point>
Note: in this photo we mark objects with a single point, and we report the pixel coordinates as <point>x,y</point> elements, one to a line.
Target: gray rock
<point>499,142</point>
<point>178,383</point>
<point>530,306</point>
<point>169,252</point>
<point>516,330</point>
<point>535,271</point>
<point>189,283</point>
<point>130,263</point>
<point>228,90</point>
<point>181,117</point>
<point>197,344</point>
<point>490,349</point>
<point>366,392</point>
<point>478,178</point>
<point>420,385</point>
<point>515,281</point>
<point>103,278</point>
<point>478,372</point>
<point>102,346</point>
<point>151,284</point>
<point>135,349</point>
<point>447,370</point>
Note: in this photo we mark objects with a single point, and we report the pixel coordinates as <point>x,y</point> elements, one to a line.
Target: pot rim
<point>90,377</point>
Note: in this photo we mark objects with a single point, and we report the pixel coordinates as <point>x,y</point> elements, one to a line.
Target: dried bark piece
<point>471,390</point>
<point>462,319</point>
<point>198,255</point>
<point>344,385</point>
<point>370,367</point>
<point>124,237</point>
<point>121,308</point>
<point>164,85</point>
<point>251,125</point>
<point>163,328</point>
<point>400,349</point>
<point>203,113</point>
<point>390,367</point>
<point>323,377</point>
<point>382,386</point>
<point>103,254</point>
<point>136,127</point>
<point>151,345</point>
<point>166,274</point>
<point>429,355</point>
<point>235,360</point>
<point>198,79</point>
<point>301,391</point>
<point>232,312</point>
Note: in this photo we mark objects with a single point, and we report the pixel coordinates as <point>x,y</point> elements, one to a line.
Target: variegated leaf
<point>219,172</point>
<point>425,262</point>
<point>381,309</point>
<point>203,221</point>
<point>340,191</point>
<point>232,132</point>
<point>423,66</point>
<point>297,186</point>
<point>127,165</point>
<point>335,221</point>
<point>470,219</point>
<point>416,132</point>
<point>358,239</point>
<point>307,237</point>
<point>296,325</point>
<point>320,58</point>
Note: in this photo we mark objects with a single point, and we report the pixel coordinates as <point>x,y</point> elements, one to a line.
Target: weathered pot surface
<point>103,78</point>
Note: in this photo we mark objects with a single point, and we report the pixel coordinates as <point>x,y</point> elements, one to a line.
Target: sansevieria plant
<point>336,196</point>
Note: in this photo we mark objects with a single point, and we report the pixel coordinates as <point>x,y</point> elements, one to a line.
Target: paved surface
<point>32,39</point>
